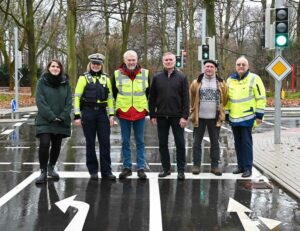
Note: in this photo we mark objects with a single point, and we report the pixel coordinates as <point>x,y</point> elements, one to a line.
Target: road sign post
<point>279,68</point>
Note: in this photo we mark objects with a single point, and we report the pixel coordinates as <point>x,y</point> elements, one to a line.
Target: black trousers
<point>95,122</point>
<point>45,152</point>
<point>163,127</point>
<point>213,133</point>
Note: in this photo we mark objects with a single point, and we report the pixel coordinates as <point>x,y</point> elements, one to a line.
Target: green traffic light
<point>281,40</point>
<point>178,64</point>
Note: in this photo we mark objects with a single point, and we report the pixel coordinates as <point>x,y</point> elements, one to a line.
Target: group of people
<point>169,100</point>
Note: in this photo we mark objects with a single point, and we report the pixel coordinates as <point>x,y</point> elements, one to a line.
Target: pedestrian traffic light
<point>282,27</point>
<point>205,52</point>
<point>178,61</point>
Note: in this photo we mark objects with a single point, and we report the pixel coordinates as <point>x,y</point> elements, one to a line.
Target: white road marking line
<point>149,147</point>
<point>18,124</point>
<point>26,116</point>
<point>18,188</point>
<point>8,131</point>
<point>188,130</point>
<point>5,163</point>
<point>155,220</point>
<point>17,147</point>
<point>30,163</point>
<point>154,175</point>
<point>225,128</point>
<point>272,124</point>
<point>32,113</point>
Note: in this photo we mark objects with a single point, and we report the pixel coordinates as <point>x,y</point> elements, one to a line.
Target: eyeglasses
<point>241,64</point>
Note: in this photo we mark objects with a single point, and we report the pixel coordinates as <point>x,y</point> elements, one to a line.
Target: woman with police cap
<point>93,96</point>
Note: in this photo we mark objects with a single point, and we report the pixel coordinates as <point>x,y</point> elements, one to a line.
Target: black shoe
<point>94,176</point>
<point>141,174</point>
<point>216,171</point>
<point>164,173</point>
<point>109,177</point>
<point>237,171</point>
<point>181,176</point>
<point>125,173</point>
<point>246,173</point>
<point>52,172</point>
<point>42,178</point>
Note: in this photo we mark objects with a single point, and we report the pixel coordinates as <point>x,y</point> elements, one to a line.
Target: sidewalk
<point>281,162</point>
<point>21,109</point>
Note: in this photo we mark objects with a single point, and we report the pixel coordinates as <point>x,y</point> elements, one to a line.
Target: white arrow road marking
<point>234,206</point>
<point>78,221</point>
<point>247,223</point>
<point>270,223</point>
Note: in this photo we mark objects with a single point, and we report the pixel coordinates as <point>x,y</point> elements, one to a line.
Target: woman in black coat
<point>53,122</point>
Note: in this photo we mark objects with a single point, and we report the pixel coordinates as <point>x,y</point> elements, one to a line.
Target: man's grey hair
<point>168,53</point>
<point>129,53</point>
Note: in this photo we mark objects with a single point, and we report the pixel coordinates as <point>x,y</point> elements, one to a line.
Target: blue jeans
<point>138,128</point>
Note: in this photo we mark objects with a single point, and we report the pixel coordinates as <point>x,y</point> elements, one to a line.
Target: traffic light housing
<point>205,52</point>
<point>282,27</point>
<point>178,61</point>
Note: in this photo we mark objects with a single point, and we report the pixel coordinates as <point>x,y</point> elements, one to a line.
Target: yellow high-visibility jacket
<point>246,99</point>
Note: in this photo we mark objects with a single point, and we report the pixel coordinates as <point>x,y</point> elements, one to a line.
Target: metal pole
<point>203,39</point>
<point>278,84</point>
<point>179,38</point>
<point>16,69</point>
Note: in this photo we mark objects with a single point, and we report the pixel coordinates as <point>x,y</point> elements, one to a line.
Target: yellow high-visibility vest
<point>132,92</point>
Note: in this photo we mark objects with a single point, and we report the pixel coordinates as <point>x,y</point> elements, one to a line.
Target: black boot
<point>42,178</point>
<point>52,172</point>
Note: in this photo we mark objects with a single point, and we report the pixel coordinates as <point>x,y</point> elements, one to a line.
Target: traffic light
<point>282,27</point>
<point>178,61</point>
<point>183,58</point>
<point>205,52</point>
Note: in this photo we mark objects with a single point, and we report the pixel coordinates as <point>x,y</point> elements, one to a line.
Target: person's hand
<point>182,122</point>
<point>153,121</point>
<point>258,121</point>
<point>77,122</point>
<point>111,121</point>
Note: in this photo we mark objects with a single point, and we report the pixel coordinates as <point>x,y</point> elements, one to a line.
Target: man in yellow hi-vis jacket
<point>245,107</point>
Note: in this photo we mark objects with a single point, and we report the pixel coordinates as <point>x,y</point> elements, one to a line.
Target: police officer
<point>93,95</point>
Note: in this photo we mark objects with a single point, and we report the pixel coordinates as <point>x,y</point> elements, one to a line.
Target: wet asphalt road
<point>198,203</point>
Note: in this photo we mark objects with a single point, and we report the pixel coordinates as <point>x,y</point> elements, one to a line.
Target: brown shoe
<point>196,169</point>
<point>216,171</point>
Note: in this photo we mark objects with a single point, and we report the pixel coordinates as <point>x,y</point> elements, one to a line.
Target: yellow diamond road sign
<point>279,68</point>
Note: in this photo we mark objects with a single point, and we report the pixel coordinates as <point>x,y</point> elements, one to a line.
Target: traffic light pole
<point>278,84</point>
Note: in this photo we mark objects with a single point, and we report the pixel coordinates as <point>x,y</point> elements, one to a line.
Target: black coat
<point>53,101</point>
<point>169,96</point>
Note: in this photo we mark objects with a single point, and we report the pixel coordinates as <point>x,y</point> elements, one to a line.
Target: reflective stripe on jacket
<point>246,99</point>
<point>132,92</point>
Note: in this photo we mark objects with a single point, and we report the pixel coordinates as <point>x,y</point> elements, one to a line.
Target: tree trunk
<point>145,58</point>
<point>71,31</point>
<point>107,34</point>
<point>31,46</point>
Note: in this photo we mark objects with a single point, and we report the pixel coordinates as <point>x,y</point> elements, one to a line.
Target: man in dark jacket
<point>169,107</point>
